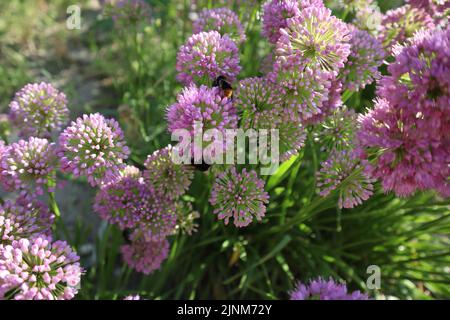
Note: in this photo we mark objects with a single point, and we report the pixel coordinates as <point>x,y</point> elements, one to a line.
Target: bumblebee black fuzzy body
<point>226,88</point>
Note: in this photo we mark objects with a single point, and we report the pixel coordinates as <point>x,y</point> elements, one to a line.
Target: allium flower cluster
<point>205,56</point>
<point>419,74</point>
<point>120,202</point>
<point>186,218</point>
<point>131,171</point>
<point>172,179</point>
<point>342,170</point>
<point>305,92</point>
<point>38,270</point>
<point>94,147</point>
<point>132,204</point>
<point>402,23</point>
<point>291,133</point>
<point>411,124</point>
<point>320,289</point>
<point>331,104</point>
<point>29,165</point>
<point>39,109</point>
<point>414,155</point>
<point>150,214</point>
<point>438,9</point>
<point>338,129</point>
<point>201,108</point>
<point>24,218</point>
<point>365,57</point>
<point>223,20</point>
<point>275,16</point>
<point>145,256</point>
<point>316,39</point>
<point>158,217</point>
<point>239,196</point>
<point>276,13</point>
<point>253,95</point>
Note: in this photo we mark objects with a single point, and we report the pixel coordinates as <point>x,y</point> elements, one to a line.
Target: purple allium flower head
<point>320,289</point>
<point>427,4</point>
<point>330,105</point>
<point>254,95</point>
<point>402,23</point>
<point>414,154</point>
<point>239,196</point>
<point>145,256</point>
<point>172,179</point>
<point>334,97</point>
<point>338,129</point>
<point>275,16</point>
<point>419,80</point>
<point>413,123</point>
<point>203,106</point>
<point>94,147</point>
<point>277,12</point>
<point>365,57</point>
<point>120,202</point>
<point>438,9</point>
<point>130,203</point>
<point>24,218</point>
<point>342,170</point>
<point>305,92</point>
<point>223,20</point>
<point>186,218</point>
<point>38,270</point>
<point>131,171</point>
<point>158,216</point>
<point>126,13</point>
<point>38,109</point>
<point>205,56</point>
<point>315,39</point>
<point>291,133</point>
<point>260,104</point>
<point>29,165</point>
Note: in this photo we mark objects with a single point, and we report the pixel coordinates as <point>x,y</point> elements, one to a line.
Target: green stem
<point>59,223</point>
<point>346,95</point>
<point>287,197</point>
<point>53,205</point>
<point>345,14</point>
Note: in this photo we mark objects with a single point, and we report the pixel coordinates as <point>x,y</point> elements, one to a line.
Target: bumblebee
<point>222,83</point>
